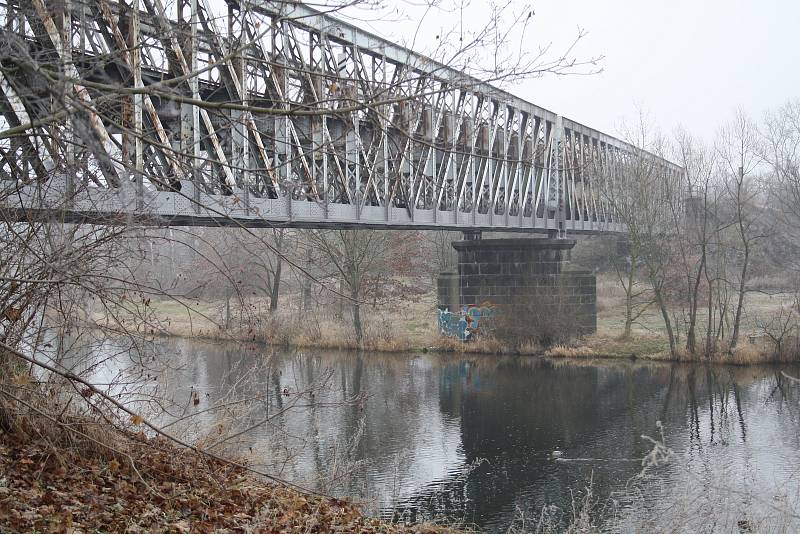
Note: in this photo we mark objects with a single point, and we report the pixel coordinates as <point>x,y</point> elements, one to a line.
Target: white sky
<point>683,62</point>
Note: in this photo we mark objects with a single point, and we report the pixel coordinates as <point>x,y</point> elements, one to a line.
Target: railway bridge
<point>274,114</point>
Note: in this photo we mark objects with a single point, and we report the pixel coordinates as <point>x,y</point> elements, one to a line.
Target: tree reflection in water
<point>471,438</point>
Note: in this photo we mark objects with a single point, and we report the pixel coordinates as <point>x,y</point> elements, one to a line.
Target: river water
<point>493,441</point>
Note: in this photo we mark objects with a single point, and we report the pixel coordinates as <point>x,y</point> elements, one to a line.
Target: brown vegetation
<point>411,327</point>
<point>149,485</point>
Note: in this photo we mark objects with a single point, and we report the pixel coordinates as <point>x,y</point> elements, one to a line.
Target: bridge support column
<point>535,293</point>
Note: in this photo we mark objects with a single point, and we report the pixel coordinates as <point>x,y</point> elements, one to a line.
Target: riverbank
<point>411,327</point>
<point>656,348</point>
<point>605,344</point>
<point>152,486</point>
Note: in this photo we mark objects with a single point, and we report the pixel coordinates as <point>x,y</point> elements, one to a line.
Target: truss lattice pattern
<point>273,113</point>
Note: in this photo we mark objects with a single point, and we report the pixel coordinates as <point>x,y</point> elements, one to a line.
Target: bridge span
<point>275,114</point>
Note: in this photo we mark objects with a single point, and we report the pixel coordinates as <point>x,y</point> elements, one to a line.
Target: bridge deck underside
<point>288,117</point>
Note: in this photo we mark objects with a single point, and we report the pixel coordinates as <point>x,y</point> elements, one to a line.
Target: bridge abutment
<point>529,282</point>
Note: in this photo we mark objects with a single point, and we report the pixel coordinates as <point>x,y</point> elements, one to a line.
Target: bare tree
<point>641,192</point>
<point>780,148</point>
<point>739,152</point>
<point>637,294</point>
<point>370,266</point>
<point>695,219</point>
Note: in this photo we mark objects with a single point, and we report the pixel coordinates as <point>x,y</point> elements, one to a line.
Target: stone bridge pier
<point>535,293</point>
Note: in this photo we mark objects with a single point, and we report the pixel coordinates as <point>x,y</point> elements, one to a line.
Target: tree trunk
<point>306,296</point>
<point>691,336</point>
<point>710,318</point>
<point>738,317</point>
<point>357,317</point>
<point>628,280</point>
<point>629,302</point>
<point>662,305</point>
<point>276,284</point>
<point>746,243</point>
<point>228,309</point>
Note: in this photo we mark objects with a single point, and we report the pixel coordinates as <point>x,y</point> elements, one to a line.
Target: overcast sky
<point>685,62</point>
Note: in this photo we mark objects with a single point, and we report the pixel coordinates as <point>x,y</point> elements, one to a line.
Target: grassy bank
<point>656,348</point>
<point>411,327</point>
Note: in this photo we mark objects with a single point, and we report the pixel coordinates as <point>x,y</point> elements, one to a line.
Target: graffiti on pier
<point>466,323</point>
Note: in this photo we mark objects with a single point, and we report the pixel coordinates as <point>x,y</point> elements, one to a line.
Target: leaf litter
<point>157,487</point>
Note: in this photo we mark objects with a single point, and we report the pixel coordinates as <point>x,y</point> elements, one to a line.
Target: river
<point>491,440</point>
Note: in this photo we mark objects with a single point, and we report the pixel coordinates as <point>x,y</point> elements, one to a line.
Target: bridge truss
<point>275,115</point>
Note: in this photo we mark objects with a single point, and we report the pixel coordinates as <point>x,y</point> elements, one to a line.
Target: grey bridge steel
<point>286,117</point>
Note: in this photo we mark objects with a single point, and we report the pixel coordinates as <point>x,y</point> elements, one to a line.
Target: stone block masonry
<point>529,281</point>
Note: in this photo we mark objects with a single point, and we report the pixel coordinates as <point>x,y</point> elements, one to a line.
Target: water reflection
<point>426,436</point>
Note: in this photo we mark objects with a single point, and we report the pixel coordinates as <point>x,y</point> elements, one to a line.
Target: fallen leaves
<point>170,490</point>
<point>12,314</point>
<point>22,379</point>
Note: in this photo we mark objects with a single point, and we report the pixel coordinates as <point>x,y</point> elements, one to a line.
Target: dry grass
<point>564,351</point>
<point>608,345</point>
<point>752,354</point>
<point>410,327</point>
<point>483,345</point>
<point>772,282</point>
<point>655,347</point>
<point>610,295</point>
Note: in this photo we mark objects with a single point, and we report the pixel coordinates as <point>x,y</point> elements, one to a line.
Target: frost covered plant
<point>659,455</point>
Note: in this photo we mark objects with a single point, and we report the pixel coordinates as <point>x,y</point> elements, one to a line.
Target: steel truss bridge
<point>275,114</point>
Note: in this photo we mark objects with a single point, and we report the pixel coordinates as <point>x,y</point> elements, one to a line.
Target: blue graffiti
<point>465,324</point>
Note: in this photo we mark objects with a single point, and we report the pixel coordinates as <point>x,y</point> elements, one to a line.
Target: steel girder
<point>279,116</point>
